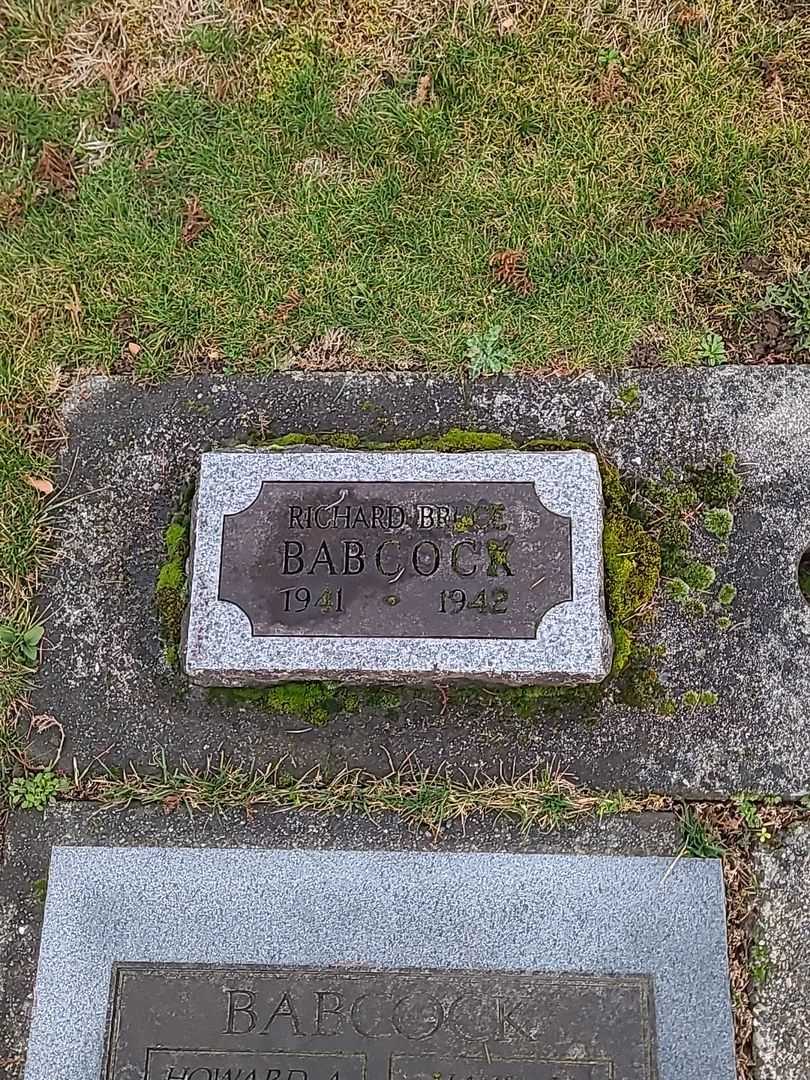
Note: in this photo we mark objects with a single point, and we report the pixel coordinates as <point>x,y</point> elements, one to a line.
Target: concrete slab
<point>31,837</point>
<point>519,535</point>
<point>132,450</point>
<point>782,998</point>
<point>554,914</point>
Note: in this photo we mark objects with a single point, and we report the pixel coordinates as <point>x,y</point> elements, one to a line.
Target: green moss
<point>175,539</point>
<point>293,438</point>
<point>692,699</point>
<point>700,576</point>
<point>726,594</point>
<point>312,702</point>
<point>719,522</point>
<point>718,484</point>
<point>632,567</point>
<point>457,440</point>
<point>171,587</point>
<point>622,649</point>
<point>339,440</point>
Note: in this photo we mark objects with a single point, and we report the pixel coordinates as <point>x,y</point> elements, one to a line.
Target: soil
<point>768,337</point>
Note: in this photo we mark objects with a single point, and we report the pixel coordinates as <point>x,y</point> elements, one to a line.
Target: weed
<point>748,807</point>
<point>35,791</point>
<point>487,355</point>
<point>792,298</point>
<point>760,962</point>
<point>712,349</point>
<point>21,643</point>
<point>699,842</point>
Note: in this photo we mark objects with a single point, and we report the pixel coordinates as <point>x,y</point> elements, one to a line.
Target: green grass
<point>384,216</point>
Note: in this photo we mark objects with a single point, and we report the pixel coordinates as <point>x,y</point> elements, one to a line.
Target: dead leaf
<point>56,167</point>
<point>510,267</point>
<point>423,89</point>
<point>688,15</point>
<point>195,221</point>
<point>289,303</point>
<point>39,483</point>
<point>11,206</point>
<point>676,216</point>
<point>612,88</point>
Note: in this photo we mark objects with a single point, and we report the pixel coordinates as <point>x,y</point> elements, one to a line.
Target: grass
<point>381,211</point>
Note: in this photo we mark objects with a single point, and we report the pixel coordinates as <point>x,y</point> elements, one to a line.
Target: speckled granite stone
<point>572,643</point>
<point>397,909</point>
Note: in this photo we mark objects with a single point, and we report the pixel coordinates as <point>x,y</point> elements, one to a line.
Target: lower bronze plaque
<point>176,1022</point>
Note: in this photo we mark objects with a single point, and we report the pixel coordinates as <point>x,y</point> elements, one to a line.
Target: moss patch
<point>311,702</point>
<point>632,568</point>
<point>171,587</point>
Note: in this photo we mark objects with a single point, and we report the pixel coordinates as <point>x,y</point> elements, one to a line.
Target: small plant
<point>486,354</point>
<point>712,349</point>
<point>608,56</point>
<point>698,840</point>
<point>760,962</point>
<point>726,594</point>
<point>792,298</point>
<point>718,522</point>
<point>695,698</point>
<point>21,644</point>
<point>748,808</point>
<point>35,792</point>
<point>699,576</point>
<point>723,623</point>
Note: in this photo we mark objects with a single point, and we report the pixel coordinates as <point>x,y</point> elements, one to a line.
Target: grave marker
<point>235,964</point>
<point>397,566</point>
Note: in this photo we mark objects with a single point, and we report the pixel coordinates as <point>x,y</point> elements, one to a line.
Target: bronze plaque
<point>176,1022</point>
<point>327,559</point>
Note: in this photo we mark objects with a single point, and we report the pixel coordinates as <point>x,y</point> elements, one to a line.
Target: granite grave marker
<point>200,964</point>
<point>397,566</point>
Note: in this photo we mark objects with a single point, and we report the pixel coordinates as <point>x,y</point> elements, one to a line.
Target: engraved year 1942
<point>488,602</point>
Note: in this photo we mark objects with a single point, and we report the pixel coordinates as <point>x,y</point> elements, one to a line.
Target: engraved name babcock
<point>391,559</point>
<point>176,1022</point>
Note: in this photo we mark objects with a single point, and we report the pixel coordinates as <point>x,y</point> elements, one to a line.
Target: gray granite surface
<point>132,451</point>
<point>551,913</point>
<point>572,642</point>
<point>782,945</point>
